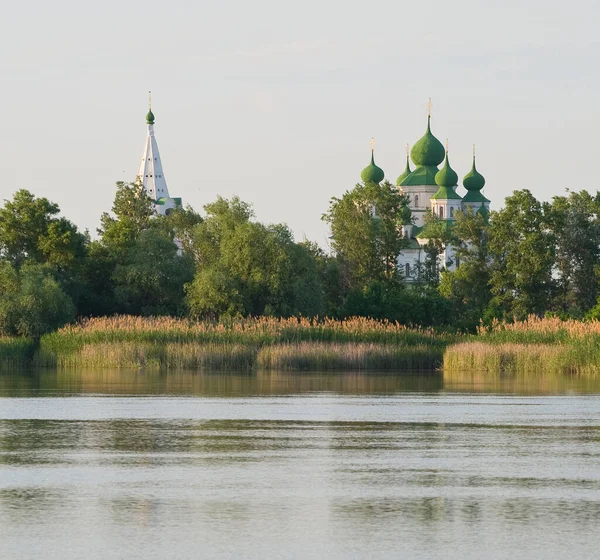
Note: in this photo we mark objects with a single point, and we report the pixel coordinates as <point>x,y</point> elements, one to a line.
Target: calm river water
<point>127,465</point>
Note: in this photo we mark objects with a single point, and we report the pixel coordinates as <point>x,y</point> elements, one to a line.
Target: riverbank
<point>292,344</point>
<point>531,347</point>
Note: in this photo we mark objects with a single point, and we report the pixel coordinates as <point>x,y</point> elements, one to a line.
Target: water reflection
<point>132,382</point>
<point>300,465</point>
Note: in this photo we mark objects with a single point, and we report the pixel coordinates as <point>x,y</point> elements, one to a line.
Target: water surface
<point>104,465</point>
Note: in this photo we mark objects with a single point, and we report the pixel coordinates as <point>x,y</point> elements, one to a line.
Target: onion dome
<point>405,215</point>
<point>446,176</point>
<point>372,173</point>
<point>428,151</point>
<point>150,117</point>
<point>446,179</point>
<point>406,171</point>
<point>473,180</point>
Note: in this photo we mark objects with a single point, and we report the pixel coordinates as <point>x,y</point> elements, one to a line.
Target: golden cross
<point>407,149</point>
<point>429,106</point>
<point>473,151</point>
<point>372,144</point>
<point>447,144</point>
<point>150,100</point>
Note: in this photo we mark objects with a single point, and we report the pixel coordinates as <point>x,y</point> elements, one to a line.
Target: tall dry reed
<point>166,341</point>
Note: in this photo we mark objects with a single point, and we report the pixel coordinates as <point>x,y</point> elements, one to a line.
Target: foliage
<point>133,210</point>
<point>247,268</point>
<point>522,248</point>
<point>152,277</point>
<point>31,301</point>
<point>575,223</point>
<point>365,233</point>
<point>467,287</point>
<point>31,231</point>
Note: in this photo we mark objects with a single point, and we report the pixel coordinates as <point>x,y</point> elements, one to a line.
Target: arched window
<point>407,270</point>
<point>441,211</point>
<point>451,212</point>
<point>416,201</point>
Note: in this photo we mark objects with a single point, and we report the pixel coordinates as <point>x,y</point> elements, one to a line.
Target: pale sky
<point>276,102</point>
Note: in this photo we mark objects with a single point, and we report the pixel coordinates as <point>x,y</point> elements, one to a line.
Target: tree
<point>133,210</point>
<point>151,279</point>
<point>438,235</point>
<point>575,223</point>
<point>247,268</point>
<point>522,247</point>
<point>467,287</point>
<point>32,302</point>
<point>31,231</point>
<point>365,233</point>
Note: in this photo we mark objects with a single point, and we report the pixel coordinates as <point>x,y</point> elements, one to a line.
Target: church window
<point>416,200</point>
<point>407,270</point>
<point>451,212</point>
<point>441,211</point>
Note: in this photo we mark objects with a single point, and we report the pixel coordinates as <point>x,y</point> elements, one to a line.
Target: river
<point>107,465</point>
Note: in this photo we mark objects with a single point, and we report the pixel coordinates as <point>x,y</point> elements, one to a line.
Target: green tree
<point>133,210</point>
<point>32,302</point>
<point>438,234</point>
<point>575,224</point>
<point>152,277</point>
<point>365,233</point>
<point>31,231</point>
<point>467,287</point>
<point>244,267</point>
<point>522,247</point>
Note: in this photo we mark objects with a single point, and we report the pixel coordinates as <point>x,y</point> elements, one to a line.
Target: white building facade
<point>429,188</point>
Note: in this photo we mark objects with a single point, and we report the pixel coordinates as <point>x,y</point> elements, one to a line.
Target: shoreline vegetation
<point>532,347</point>
<point>293,344</point>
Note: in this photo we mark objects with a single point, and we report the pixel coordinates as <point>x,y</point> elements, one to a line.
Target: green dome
<point>428,150</point>
<point>473,180</point>
<point>446,176</point>
<point>405,173</point>
<point>372,173</point>
<point>150,117</point>
<point>405,215</point>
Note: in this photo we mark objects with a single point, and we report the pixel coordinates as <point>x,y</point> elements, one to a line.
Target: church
<point>430,188</point>
<point>151,172</point>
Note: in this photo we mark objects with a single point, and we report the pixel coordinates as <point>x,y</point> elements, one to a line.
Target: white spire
<point>151,171</point>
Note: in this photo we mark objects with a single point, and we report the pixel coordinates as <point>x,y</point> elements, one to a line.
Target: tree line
<point>529,257</point>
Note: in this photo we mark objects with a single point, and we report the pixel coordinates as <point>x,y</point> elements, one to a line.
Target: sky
<point>276,102</point>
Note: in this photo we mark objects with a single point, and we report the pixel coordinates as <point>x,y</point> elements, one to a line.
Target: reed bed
<point>537,330</point>
<point>142,355</point>
<point>579,357</point>
<point>15,352</point>
<point>303,356</point>
<point>165,342</point>
<point>352,357</point>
